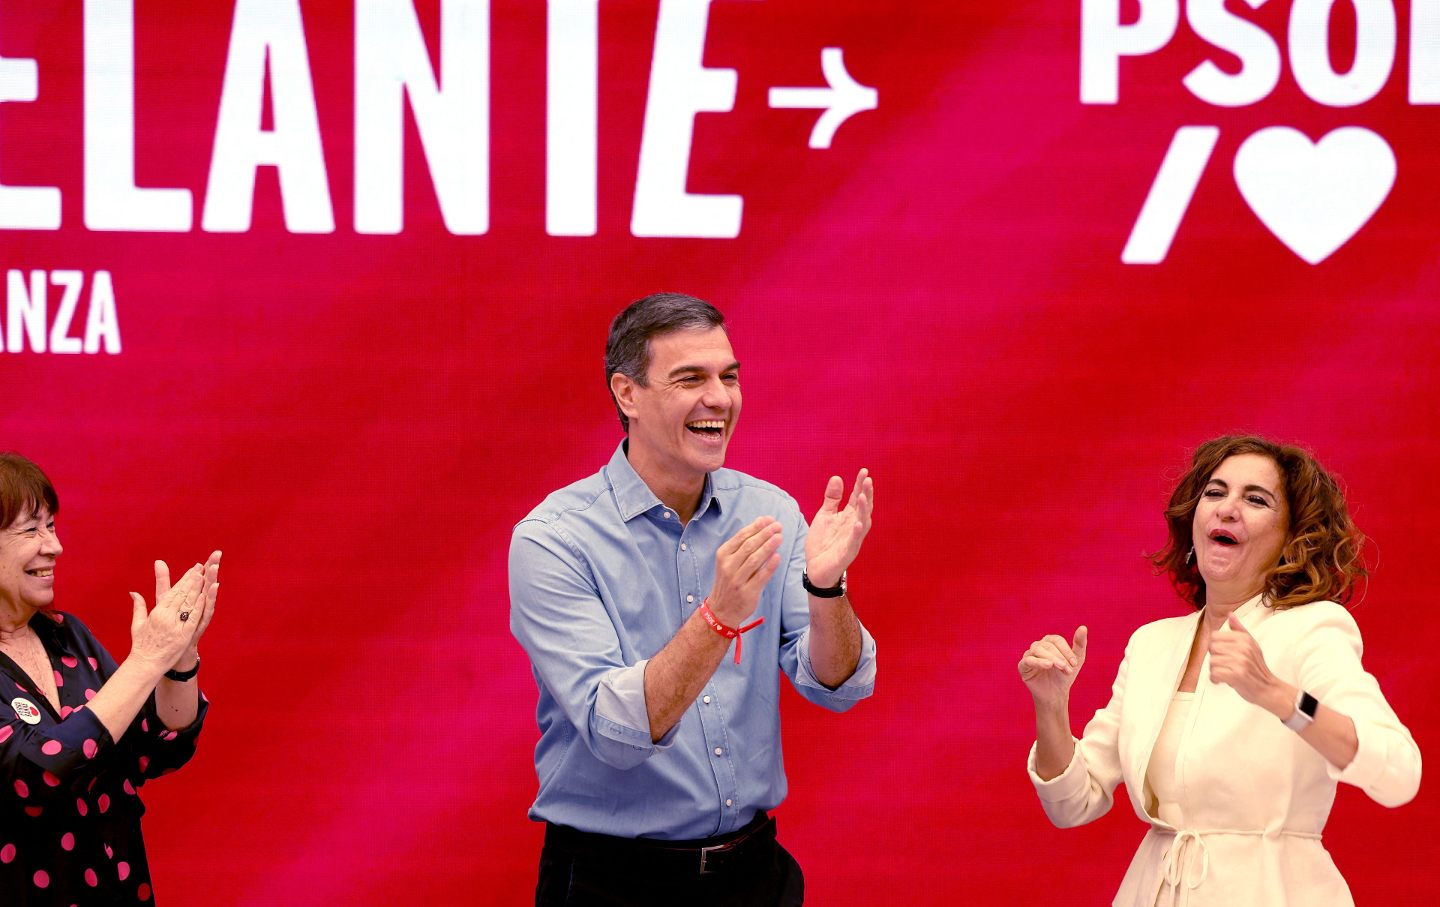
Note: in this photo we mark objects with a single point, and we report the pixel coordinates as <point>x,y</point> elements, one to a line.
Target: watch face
<point>1308,704</point>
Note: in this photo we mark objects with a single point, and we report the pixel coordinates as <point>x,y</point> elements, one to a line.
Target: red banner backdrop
<point>325,284</point>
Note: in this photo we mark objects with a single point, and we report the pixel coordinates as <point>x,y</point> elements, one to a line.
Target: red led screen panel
<point>326,285</point>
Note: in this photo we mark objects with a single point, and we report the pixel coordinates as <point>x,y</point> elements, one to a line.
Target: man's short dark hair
<point>627,351</point>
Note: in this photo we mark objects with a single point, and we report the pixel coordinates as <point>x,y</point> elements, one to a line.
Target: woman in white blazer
<point>1231,726</point>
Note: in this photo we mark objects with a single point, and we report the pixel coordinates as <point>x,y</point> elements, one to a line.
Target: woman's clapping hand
<point>204,615</point>
<point>1051,664</point>
<point>170,632</point>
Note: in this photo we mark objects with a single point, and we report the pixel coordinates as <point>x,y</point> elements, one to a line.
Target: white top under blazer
<point>1162,785</point>
<point>1253,795</point>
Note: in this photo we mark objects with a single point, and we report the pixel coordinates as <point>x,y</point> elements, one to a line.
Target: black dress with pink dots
<point>69,803</point>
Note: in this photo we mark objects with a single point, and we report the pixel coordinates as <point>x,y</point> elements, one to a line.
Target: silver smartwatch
<point>1304,713</point>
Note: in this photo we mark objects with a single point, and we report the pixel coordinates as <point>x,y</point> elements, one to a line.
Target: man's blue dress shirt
<point>602,575</point>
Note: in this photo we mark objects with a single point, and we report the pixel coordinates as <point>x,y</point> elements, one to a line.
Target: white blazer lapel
<point>1152,687</point>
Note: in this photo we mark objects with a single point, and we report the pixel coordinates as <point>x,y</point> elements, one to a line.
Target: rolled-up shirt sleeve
<point>856,687</point>
<point>557,615</point>
<point>620,713</point>
<point>795,645</point>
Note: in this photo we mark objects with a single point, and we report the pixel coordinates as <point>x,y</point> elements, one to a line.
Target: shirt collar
<point>633,497</point>
<point>1257,603</point>
<point>46,624</point>
<point>1244,611</point>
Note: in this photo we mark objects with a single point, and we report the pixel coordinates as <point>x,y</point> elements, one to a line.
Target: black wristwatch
<point>183,676</point>
<point>834,591</point>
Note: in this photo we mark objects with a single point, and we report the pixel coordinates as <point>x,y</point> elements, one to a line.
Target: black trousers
<point>580,869</point>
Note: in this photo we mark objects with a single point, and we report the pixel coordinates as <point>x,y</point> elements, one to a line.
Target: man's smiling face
<point>681,419</point>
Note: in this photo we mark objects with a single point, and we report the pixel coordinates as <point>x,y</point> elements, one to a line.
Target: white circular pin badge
<point>25,710</point>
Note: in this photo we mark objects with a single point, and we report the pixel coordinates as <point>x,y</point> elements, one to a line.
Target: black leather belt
<point>699,857</point>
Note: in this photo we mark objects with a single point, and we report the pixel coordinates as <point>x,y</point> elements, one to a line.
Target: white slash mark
<point>842,100</point>
<point>1170,195</point>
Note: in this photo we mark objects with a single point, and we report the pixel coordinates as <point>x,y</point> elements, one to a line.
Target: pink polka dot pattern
<point>49,854</point>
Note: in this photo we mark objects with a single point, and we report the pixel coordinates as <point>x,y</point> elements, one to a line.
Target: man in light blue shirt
<point>659,750</point>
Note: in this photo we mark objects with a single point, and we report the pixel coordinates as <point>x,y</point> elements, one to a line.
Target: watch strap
<point>183,676</point>
<point>1304,714</point>
<point>835,591</point>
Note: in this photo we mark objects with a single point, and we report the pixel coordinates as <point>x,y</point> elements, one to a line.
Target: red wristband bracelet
<point>727,632</point>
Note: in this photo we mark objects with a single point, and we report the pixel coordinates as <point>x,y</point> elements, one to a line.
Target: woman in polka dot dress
<point>79,734</point>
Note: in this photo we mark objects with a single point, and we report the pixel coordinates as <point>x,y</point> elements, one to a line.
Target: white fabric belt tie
<point>1188,848</point>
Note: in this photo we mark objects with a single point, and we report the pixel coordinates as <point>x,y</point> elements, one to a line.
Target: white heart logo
<point>1314,197</point>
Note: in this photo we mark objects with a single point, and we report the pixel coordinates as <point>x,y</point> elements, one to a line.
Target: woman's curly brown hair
<point>1321,559</point>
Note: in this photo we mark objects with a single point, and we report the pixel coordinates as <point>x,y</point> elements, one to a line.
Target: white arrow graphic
<point>842,100</point>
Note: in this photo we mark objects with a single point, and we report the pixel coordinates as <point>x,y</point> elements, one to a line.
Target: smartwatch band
<point>1304,713</point>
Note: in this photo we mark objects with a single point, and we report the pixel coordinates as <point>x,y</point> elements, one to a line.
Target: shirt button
<point>690,599</point>
<point>706,700</point>
<point>719,751</point>
<point>665,514</point>
<point>682,547</point>
<point>729,802</point>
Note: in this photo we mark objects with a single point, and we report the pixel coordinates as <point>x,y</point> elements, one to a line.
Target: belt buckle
<point>705,855</point>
